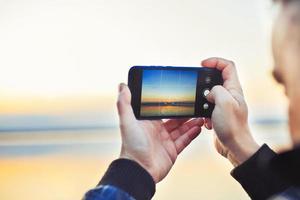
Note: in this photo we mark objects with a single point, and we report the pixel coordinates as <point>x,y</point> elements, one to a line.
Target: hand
<point>233,139</point>
<point>153,144</point>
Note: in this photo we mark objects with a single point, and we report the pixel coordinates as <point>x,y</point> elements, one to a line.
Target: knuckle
<point>122,126</point>
<point>228,102</point>
<point>187,141</point>
<point>183,128</point>
<point>216,89</point>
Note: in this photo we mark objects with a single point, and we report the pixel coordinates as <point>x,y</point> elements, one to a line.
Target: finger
<point>175,134</point>
<point>208,124</point>
<point>172,124</point>
<point>124,104</point>
<point>219,95</point>
<point>185,139</point>
<point>219,63</point>
<point>229,72</point>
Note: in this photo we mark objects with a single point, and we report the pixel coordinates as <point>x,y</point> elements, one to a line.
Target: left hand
<point>153,144</point>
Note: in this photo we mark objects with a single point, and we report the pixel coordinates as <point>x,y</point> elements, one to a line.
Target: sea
<point>64,164</point>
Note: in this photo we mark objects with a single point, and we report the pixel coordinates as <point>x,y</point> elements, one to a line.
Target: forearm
<point>241,149</point>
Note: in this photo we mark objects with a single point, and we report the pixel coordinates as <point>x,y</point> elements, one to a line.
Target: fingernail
<point>121,86</point>
<point>206,126</point>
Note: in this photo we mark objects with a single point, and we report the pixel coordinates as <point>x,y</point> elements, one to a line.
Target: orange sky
<point>71,56</point>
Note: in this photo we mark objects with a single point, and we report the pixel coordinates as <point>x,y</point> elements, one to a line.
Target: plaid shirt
<point>107,192</point>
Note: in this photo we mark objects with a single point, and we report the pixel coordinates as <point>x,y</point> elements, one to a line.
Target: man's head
<point>286,51</point>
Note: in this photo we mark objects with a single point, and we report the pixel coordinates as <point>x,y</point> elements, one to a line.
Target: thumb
<point>124,104</point>
<point>218,95</point>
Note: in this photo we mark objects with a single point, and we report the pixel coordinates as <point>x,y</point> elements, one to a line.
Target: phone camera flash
<point>205,106</point>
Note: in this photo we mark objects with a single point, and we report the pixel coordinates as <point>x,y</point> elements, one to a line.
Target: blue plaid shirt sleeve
<point>123,180</point>
<point>107,192</point>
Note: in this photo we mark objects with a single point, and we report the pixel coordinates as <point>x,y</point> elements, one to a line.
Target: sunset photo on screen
<point>168,92</point>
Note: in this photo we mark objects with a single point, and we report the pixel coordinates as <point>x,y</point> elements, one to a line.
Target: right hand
<point>233,139</point>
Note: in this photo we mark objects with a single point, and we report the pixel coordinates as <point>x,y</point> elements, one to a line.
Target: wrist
<point>148,169</point>
<point>241,149</point>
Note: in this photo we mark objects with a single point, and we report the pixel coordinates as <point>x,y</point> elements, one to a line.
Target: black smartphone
<point>164,92</point>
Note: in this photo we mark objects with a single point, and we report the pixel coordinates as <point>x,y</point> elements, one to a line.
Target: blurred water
<point>103,141</point>
<point>94,141</point>
<point>52,157</point>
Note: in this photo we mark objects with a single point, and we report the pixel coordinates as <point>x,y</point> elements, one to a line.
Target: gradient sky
<point>65,58</point>
<point>168,85</point>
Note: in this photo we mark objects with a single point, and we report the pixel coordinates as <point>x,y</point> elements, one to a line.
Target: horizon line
<point>257,121</point>
<point>55,128</point>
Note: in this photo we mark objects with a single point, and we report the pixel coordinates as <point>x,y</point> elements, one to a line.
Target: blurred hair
<point>285,1</point>
<point>291,4</point>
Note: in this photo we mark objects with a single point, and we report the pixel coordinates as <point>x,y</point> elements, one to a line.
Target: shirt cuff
<point>256,177</point>
<point>131,178</point>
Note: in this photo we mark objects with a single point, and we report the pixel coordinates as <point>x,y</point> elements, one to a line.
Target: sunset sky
<point>61,61</point>
<point>169,86</point>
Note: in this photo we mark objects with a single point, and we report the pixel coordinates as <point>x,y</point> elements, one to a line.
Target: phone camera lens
<point>207,80</point>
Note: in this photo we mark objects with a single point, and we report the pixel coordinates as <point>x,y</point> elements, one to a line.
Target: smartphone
<point>164,92</point>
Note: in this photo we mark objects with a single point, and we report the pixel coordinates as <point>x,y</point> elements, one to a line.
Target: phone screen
<point>168,92</point>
